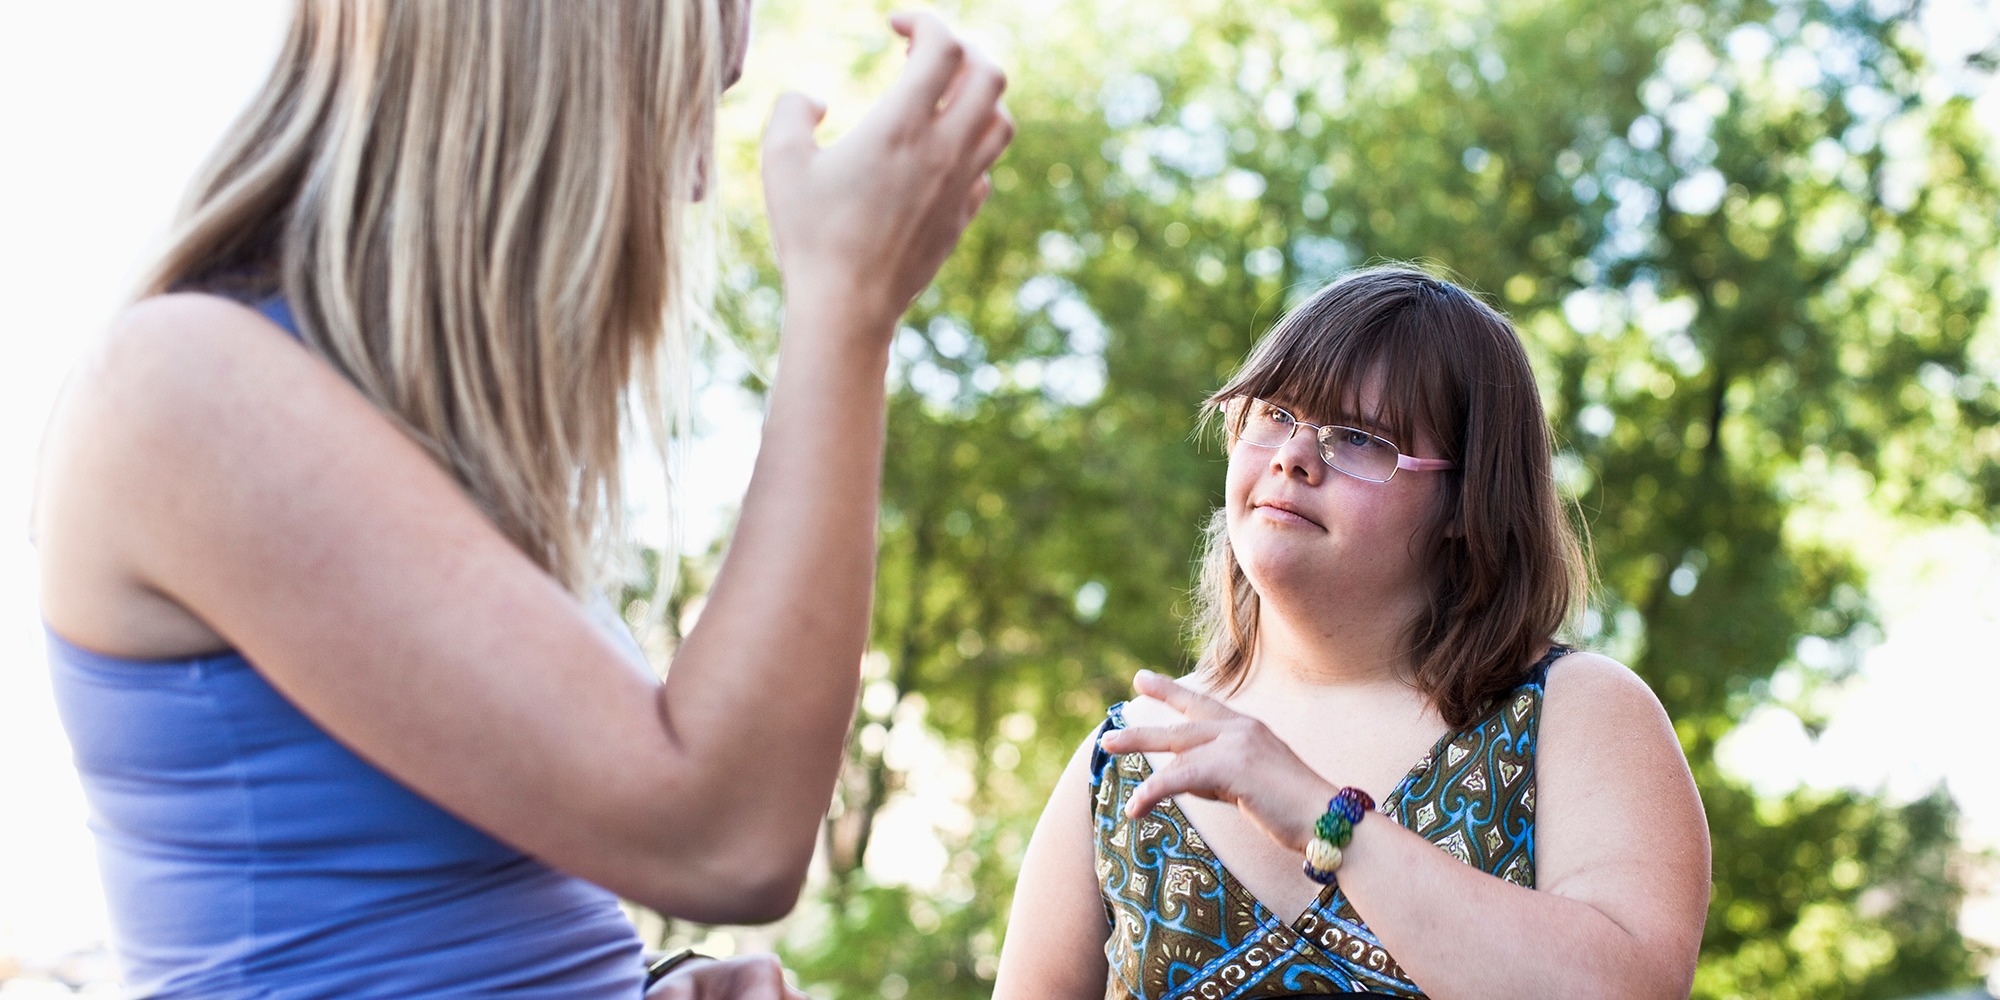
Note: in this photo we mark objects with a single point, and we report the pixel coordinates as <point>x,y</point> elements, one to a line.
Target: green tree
<point>1747,242</point>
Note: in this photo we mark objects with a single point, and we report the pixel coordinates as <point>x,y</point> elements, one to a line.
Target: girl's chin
<point>1294,576</point>
<point>1279,573</point>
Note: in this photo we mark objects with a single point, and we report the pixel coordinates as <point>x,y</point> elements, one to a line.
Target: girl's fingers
<point>1144,799</point>
<point>1178,738</point>
<point>1183,777</point>
<point>1182,698</point>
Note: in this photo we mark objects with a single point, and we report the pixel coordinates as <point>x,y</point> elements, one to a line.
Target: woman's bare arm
<point>202,460</point>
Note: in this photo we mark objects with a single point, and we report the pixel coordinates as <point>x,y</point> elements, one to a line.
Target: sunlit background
<point>106,108</point>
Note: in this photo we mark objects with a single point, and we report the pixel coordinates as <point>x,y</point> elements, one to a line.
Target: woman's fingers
<point>762,978</point>
<point>867,220</point>
<point>936,56</point>
<point>788,139</point>
<point>794,117</point>
<point>999,132</point>
<point>974,99</point>
<point>957,83</point>
<point>746,977</point>
<point>976,199</point>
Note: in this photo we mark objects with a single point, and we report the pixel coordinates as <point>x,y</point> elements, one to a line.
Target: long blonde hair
<point>479,213</point>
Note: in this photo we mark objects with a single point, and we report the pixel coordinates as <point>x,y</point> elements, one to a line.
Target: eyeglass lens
<point>1348,449</point>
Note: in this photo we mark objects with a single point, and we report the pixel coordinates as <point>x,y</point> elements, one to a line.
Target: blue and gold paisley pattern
<point>1183,928</point>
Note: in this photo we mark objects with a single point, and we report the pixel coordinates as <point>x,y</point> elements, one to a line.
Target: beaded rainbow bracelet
<point>1333,831</point>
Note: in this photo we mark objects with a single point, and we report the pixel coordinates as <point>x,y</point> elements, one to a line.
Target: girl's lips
<point>1283,514</point>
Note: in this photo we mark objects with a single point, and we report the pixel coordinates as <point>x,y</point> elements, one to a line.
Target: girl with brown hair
<point>1379,605</point>
<point>320,516</point>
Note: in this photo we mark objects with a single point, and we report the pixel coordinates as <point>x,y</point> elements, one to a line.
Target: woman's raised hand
<point>871,218</point>
<point>1223,755</point>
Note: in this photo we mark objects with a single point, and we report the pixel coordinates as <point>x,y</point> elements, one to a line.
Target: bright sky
<point>109,107</point>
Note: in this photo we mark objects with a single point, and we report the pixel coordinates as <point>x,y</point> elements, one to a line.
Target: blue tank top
<point>245,853</point>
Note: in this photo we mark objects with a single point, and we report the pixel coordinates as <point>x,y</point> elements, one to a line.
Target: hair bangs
<point>1376,364</point>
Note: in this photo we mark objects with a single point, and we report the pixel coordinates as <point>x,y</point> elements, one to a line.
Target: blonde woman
<point>317,516</point>
<point>1381,597</point>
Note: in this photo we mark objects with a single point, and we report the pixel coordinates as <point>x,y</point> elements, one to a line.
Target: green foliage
<point>1820,896</point>
<point>1746,241</point>
<point>943,943</point>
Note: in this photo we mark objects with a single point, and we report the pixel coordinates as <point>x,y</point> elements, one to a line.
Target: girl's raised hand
<point>1223,755</point>
<point>869,219</point>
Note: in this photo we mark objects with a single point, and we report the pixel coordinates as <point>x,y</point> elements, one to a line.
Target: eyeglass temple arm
<point>1424,464</point>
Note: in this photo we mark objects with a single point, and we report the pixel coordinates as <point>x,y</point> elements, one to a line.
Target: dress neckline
<point>1390,805</point>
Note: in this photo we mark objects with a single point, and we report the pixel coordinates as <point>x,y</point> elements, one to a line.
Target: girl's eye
<point>1357,439</point>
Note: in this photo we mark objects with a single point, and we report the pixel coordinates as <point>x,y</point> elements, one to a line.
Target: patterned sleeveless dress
<point>1183,928</point>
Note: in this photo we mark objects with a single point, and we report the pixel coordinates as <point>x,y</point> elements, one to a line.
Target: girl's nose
<point>1299,456</point>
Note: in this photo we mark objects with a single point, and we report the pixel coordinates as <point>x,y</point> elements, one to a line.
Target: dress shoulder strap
<point>1538,675</point>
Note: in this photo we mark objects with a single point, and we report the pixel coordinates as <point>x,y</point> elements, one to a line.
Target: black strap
<point>658,968</point>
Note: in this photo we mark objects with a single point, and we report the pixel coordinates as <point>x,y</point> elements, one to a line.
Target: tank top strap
<point>278,309</point>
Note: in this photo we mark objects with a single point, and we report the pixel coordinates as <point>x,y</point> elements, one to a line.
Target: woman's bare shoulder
<point>182,362</point>
<point>184,385</point>
<point>187,405</point>
<point>184,341</point>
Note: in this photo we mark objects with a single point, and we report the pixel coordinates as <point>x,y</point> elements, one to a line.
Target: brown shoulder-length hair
<point>1505,562</point>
